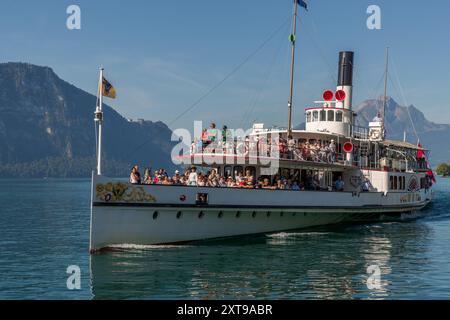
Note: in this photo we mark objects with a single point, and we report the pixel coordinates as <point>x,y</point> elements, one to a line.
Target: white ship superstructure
<point>379,178</point>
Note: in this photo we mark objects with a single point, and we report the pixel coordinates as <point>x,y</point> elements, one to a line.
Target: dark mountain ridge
<point>45,120</point>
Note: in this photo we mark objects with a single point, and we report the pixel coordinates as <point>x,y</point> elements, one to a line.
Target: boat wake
<point>142,247</point>
<point>286,235</point>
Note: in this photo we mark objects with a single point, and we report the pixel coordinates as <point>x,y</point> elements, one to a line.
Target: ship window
<point>323,115</point>
<point>155,215</point>
<point>254,214</point>
<point>179,214</point>
<point>315,116</point>
<point>308,116</point>
<point>202,199</point>
<point>251,169</point>
<point>339,116</point>
<point>227,171</point>
<point>237,170</point>
<point>330,115</point>
<point>395,183</point>
<point>391,182</point>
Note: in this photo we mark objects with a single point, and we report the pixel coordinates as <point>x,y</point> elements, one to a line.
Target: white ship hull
<point>156,214</point>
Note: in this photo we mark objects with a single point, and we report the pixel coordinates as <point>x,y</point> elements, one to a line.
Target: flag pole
<point>99,119</point>
<point>291,93</point>
<point>385,90</point>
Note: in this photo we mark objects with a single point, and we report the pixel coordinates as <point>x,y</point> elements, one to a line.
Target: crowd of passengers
<point>214,141</point>
<point>192,177</point>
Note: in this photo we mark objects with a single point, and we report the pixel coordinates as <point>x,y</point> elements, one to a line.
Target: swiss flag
<point>420,153</point>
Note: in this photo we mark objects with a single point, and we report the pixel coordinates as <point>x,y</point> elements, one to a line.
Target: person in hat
<point>176,179</point>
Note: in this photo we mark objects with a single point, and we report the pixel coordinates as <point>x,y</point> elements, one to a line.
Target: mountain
<point>47,129</point>
<point>399,119</point>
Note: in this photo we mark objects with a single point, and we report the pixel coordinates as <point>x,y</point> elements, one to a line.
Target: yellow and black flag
<point>108,90</point>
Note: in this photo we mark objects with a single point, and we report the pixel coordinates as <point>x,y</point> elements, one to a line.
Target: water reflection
<point>325,263</point>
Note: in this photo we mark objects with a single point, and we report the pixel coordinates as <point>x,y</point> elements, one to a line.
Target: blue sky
<point>164,55</point>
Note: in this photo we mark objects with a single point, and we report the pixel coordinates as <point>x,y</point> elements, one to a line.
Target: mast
<point>98,118</point>
<point>385,85</point>
<point>291,93</point>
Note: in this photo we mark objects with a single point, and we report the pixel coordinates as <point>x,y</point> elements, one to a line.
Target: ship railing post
<point>98,118</point>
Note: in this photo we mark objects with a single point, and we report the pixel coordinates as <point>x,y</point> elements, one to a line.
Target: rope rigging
<point>217,85</point>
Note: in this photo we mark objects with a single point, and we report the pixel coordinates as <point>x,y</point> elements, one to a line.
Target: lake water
<point>44,228</point>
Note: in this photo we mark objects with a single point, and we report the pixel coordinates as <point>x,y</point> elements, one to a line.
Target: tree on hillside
<point>443,169</point>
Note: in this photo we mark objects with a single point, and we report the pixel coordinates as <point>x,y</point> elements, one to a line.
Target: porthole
<point>155,215</point>
<point>201,214</point>
<point>281,214</point>
<point>268,214</point>
<point>238,214</point>
<point>220,214</point>
<point>179,214</point>
<point>294,214</point>
<point>254,214</point>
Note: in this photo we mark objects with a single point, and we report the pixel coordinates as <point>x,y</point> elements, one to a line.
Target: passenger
<point>201,182</point>
<point>135,176</point>
<point>307,152</point>
<point>225,134</point>
<point>339,184</point>
<point>148,176</point>
<point>193,177</point>
<point>366,186</point>
<point>322,153</point>
<point>157,178</point>
<point>166,181</point>
<point>212,134</point>
<point>332,152</point>
<point>176,178</point>
<point>204,139</point>
<point>213,179</point>
<point>295,186</point>
<point>249,178</point>
<point>163,173</point>
<point>240,179</point>
<point>230,183</point>
<point>291,147</point>
<point>280,185</point>
<point>222,182</point>
<point>266,184</point>
<point>288,184</point>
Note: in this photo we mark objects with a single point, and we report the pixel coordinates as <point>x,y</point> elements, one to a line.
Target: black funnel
<point>345,77</point>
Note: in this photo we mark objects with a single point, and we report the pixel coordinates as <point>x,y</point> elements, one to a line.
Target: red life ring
<point>348,147</point>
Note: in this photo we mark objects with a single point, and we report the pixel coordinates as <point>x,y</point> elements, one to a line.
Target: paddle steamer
<point>381,178</point>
